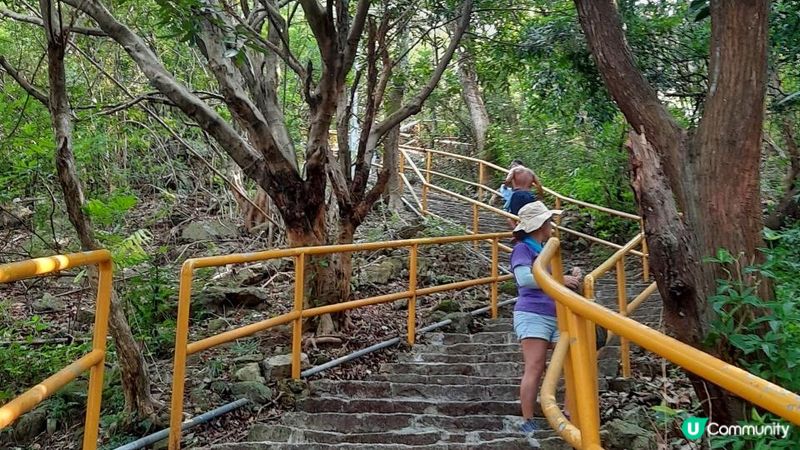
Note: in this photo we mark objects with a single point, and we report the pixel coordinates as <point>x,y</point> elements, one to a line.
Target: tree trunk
<point>788,208</point>
<point>391,144</point>
<point>135,379</point>
<point>712,177</point>
<point>471,93</point>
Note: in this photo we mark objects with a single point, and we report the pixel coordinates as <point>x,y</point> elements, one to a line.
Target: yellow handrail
<point>93,361</point>
<point>183,348</point>
<point>758,391</point>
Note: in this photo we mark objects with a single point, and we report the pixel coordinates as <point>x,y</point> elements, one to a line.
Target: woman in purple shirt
<point>535,312</point>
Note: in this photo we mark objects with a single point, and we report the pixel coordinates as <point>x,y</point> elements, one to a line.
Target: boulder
<point>14,216</point>
<point>608,361</point>
<point>461,322</point>
<point>215,325</point>
<point>217,296</point>
<point>292,391</point>
<point>30,425</point>
<point>48,303</point>
<point>385,270</point>
<point>209,230</point>
<point>626,435</point>
<point>448,306</point>
<point>280,366</point>
<point>252,390</point>
<point>250,372</point>
<point>204,399</point>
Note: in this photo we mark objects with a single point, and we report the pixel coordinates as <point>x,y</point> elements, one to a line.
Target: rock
<point>508,287</point>
<point>84,316</point>
<point>220,387</point>
<point>293,391</point>
<point>448,306</point>
<point>625,435</point>
<point>255,391</point>
<point>14,216</point>
<point>215,325</point>
<point>52,425</point>
<point>437,316</point>
<point>280,366</point>
<point>75,393</point>
<point>461,322</point>
<point>384,271</point>
<point>411,231</point>
<point>204,399</point>
<point>400,305</point>
<point>252,358</point>
<point>608,361</point>
<point>49,303</point>
<point>250,372</point>
<point>30,425</point>
<point>621,384</point>
<point>209,230</point>
<point>217,296</point>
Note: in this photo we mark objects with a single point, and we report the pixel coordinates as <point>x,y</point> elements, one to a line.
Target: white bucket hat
<point>533,215</point>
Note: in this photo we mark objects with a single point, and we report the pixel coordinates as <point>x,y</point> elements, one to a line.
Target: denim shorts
<point>529,325</point>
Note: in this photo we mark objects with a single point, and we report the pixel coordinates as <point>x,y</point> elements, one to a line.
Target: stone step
<point>379,423</point>
<point>387,390</point>
<point>477,338</point>
<point>408,406</point>
<point>280,433</point>
<point>496,326</point>
<point>507,369</point>
<point>442,379</point>
<point>521,443</point>
<point>498,357</point>
<point>468,348</point>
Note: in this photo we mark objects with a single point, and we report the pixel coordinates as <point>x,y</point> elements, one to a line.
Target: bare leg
<point>534,353</point>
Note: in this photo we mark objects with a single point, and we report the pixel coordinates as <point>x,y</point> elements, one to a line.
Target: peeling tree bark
<point>471,93</point>
<point>135,379</point>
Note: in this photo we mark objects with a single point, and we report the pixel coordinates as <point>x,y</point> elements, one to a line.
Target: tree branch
<point>37,21</point>
<point>415,104</point>
<point>24,84</point>
<point>637,100</point>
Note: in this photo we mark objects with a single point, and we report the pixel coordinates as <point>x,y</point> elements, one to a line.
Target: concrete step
<point>379,423</point>
<point>498,357</point>
<point>477,338</point>
<point>408,406</point>
<point>521,443</point>
<point>502,370</point>
<point>498,326</point>
<point>442,379</point>
<point>468,348</point>
<point>387,390</point>
<point>281,433</point>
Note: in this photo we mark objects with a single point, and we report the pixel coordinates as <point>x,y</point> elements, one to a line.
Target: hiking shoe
<point>529,426</point>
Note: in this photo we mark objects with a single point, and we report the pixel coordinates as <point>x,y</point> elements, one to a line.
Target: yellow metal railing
<point>424,175</point>
<point>577,313</point>
<point>93,361</point>
<point>183,348</point>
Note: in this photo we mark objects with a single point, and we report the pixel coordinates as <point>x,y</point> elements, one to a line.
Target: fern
<point>131,250</point>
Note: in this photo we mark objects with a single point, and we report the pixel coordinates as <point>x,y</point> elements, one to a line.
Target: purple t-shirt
<point>530,299</point>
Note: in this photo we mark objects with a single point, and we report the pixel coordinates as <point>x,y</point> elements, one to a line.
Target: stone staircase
<point>453,391</point>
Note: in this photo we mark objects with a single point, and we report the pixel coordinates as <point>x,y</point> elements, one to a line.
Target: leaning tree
<point>697,189</point>
<point>243,45</point>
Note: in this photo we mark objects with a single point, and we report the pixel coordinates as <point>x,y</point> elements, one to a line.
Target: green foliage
<point>109,211</point>
<point>761,335</point>
<point>23,365</point>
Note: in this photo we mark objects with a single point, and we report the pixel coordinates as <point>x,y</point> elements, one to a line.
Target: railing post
<point>645,257</point>
<point>179,368</point>
<point>297,326</point>
<point>495,262</point>
<point>588,412</point>
<point>480,180</point>
<point>558,218</point>
<point>95,395</point>
<point>412,301</point>
<point>426,181</point>
<point>589,293</point>
<point>622,300</point>
<point>557,270</point>
<point>475,223</point>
